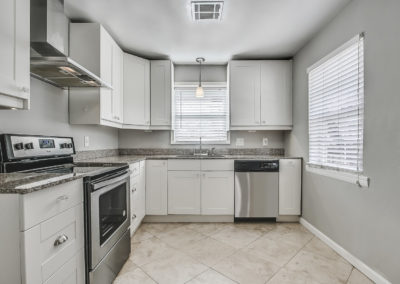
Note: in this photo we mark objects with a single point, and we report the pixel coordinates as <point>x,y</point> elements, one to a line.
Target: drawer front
<point>183,165</point>
<point>51,244</point>
<point>72,272</point>
<point>41,205</point>
<point>217,165</point>
<point>135,169</point>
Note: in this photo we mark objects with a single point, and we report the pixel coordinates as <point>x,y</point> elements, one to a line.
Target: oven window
<point>113,211</point>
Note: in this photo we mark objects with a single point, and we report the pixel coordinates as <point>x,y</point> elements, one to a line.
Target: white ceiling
<point>248,29</point>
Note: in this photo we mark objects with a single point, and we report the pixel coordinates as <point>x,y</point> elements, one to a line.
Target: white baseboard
<point>356,262</point>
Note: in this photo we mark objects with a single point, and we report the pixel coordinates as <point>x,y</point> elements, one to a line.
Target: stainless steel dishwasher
<point>256,190</point>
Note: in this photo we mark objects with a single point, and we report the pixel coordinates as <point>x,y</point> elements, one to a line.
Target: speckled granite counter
<point>22,183</point>
<point>130,159</point>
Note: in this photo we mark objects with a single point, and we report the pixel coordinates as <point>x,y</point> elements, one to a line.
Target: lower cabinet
<point>184,192</point>
<point>203,187</point>
<point>138,194</point>
<point>290,186</point>
<point>42,238</point>
<point>156,187</point>
<point>217,193</point>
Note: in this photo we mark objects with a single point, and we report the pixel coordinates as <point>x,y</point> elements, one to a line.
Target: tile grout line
<point>283,266</point>
<point>352,269</point>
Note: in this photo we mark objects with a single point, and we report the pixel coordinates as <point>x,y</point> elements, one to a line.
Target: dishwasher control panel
<point>257,166</point>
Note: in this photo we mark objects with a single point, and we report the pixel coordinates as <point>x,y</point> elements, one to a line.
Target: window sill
<point>360,180</point>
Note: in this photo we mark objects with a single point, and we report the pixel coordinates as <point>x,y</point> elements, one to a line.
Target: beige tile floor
<point>219,253</point>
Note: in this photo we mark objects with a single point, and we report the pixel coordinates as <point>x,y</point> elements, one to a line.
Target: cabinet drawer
<point>217,165</point>
<point>72,272</point>
<point>135,169</point>
<point>39,206</point>
<point>51,244</point>
<point>183,165</point>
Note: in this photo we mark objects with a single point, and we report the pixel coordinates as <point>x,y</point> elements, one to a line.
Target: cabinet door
<point>217,193</point>
<point>106,73</point>
<point>161,92</point>
<point>244,86</point>
<point>117,100</point>
<point>183,192</point>
<point>156,187</point>
<point>290,187</point>
<point>276,93</point>
<point>136,90</point>
<point>142,191</point>
<point>14,53</point>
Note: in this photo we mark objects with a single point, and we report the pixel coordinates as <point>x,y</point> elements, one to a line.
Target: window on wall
<point>206,117</point>
<point>336,109</point>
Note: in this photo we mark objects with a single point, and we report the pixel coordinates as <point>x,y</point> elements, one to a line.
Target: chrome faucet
<point>200,153</point>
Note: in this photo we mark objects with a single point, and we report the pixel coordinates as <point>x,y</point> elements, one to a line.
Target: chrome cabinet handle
<point>133,216</point>
<point>133,189</point>
<point>62,198</point>
<point>204,175</point>
<point>60,240</point>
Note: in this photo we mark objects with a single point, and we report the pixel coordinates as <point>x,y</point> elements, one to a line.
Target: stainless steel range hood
<point>50,48</point>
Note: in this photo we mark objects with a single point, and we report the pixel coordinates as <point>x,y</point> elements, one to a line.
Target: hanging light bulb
<point>199,89</point>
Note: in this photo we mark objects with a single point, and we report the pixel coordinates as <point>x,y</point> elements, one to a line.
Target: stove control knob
<point>69,145</point>
<point>63,145</point>
<point>29,146</point>
<point>18,146</point>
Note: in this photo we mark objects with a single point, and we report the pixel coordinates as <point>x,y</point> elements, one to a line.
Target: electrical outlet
<point>86,141</point>
<point>265,141</point>
<point>239,142</point>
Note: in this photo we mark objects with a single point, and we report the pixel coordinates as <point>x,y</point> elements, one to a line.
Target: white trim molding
<point>356,262</point>
<point>354,178</point>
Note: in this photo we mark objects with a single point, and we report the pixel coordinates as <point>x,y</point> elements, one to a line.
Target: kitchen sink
<point>199,156</point>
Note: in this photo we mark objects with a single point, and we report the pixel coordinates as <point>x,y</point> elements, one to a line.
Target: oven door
<point>109,214</point>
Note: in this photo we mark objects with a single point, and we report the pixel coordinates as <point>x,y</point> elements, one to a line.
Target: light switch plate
<point>265,141</point>
<point>239,142</point>
<point>86,141</point>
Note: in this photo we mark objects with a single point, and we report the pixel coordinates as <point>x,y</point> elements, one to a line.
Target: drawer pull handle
<point>60,240</point>
<point>133,216</point>
<point>62,198</point>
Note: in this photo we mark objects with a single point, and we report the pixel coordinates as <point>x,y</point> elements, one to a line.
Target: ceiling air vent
<point>207,10</point>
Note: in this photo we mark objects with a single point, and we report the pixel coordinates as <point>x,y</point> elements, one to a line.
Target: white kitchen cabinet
<point>217,193</point>
<point>161,84</point>
<point>156,187</point>
<point>276,93</point>
<point>136,91</point>
<point>44,233</point>
<point>15,54</point>
<point>138,194</point>
<point>183,192</point>
<point>95,49</point>
<point>290,186</point>
<point>244,86</point>
<point>203,187</point>
<point>261,94</point>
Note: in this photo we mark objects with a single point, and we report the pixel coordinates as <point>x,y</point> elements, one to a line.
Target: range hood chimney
<point>50,48</point>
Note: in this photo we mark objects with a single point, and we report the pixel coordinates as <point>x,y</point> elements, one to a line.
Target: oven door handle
<point>96,186</point>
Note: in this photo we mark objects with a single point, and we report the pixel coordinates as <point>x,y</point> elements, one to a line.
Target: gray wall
<point>162,139</point>
<point>366,222</point>
<point>49,116</point>
<point>209,73</point>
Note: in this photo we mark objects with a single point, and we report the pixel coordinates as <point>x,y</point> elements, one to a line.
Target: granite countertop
<point>22,183</point>
<point>130,159</point>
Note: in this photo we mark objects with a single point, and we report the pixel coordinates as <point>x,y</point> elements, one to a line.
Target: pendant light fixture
<point>199,89</point>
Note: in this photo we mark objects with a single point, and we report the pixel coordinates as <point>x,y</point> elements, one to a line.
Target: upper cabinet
<point>161,84</point>
<point>261,94</point>
<point>14,54</point>
<point>147,93</point>
<point>136,91</point>
<point>94,48</point>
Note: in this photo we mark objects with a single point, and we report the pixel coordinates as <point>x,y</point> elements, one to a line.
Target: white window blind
<point>336,108</point>
<point>206,117</point>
